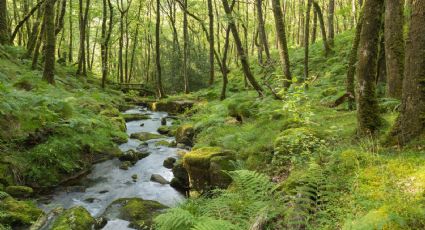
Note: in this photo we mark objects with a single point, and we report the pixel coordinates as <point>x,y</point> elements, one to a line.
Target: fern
<point>207,223</point>
<point>176,218</point>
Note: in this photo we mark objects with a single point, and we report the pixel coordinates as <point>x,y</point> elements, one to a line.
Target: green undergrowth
<point>324,177</point>
<point>48,133</point>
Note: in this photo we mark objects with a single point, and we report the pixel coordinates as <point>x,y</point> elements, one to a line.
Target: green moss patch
<point>145,136</point>
<point>76,218</point>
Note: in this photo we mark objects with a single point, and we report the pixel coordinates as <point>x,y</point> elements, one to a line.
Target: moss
<point>110,112</point>
<point>145,136</point>
<point>174,107</point>
<point>163,143</point>
<point>6,176</point>
<point>185,134</point>
<point>135,117</point>
<point>18,213</point>
<point>138,211</point>
<point>76,218</point>
<point>19,191</point>
<point>164,130</point>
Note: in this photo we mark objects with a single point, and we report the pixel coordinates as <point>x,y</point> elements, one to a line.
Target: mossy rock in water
<point>163,143</point>
<point>76,218</point>
<point>181,178</point>
<point>119,122</point>
<point>119,137</point>
<point>173,107</point>
<point>164,130</point>
<point>135,117</point>
<point>185,134</point>
<point>145,136</point>
<point>139,212</point>
<point>19,191</point>
<point>205,168</point>
<point>18,214</point>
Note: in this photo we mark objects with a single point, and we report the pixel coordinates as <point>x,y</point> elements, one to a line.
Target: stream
<point>106,182</point>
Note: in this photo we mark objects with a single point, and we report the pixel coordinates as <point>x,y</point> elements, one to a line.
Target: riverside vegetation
<point>336,142</point>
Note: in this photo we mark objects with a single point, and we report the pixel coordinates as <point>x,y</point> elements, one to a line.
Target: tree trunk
<point>224,69</point>
<point>352,63</point>
<point>314,32</point>
<point>367,106</point>
<point>71,37</point>
<point>211,40</point>
<point>83,16</point>
<point>106,35</point>
<point>394,47</point>
<point>4,28</point>
<point>306,39</point>
<point>331,15</point>
<point>261,30</point>
<point>50,42</point>
<point>241,52</point>
<point>283,46</point>
<point>411,123</point>
<point>322,27</point>
<point>160,90</point>
<point>61,18</point>
<point>185,49</point>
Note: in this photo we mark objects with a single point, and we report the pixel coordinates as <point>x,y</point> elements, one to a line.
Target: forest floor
<point>323,176</point>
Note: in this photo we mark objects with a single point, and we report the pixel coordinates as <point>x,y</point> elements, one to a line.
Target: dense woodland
<point>293,114</point>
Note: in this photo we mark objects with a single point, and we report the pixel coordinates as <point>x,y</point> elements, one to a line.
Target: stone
<point>130,155</point>
<point>169,162</point>
<point>76,218</point>
<point>100,222</point>
<point>134,176</point>
<point>172,107</point>
<point>19,191</point>
<point>205,168</point>
<point>140,213</point>
<point>18,213</point>
<point>185,134</point>
<point>163,143</point>
<point>135,117</point>
<point>163,121</point>
<point>145,136</point>
<point>159,179</point>
<point>125,165</point>
<point>164,130</point>
<point>181,178</point>
<point>143,124</point>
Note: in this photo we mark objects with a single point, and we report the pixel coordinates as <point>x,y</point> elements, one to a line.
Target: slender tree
<point>261,31</point>
<point>307,38</point>
<point>50,42</point>
<point>367,106</point>
<point>322,27</point>
<point>160,89</point>
<point>283,46</point>
<point>411,123</point>
<point>331,16</point>
<point>211,40</point>
<point>185,48</point>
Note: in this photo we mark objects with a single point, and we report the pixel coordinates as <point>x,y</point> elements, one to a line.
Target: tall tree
<point>106,36</point>
<point>160,89</point>
<point>211,40</point>
<point>83,19</point>
<point>411,123</point>
<point>241,52</point>
<point>322,27</point>
<point>185,48</point>
<point>50,42</point>
<point>368,118</point>
<point>262,32</point>
<point>283,46</point>
<point>394,46</point>
<point>331,17</point>
<point>307,38</point>
<point>4,28</point>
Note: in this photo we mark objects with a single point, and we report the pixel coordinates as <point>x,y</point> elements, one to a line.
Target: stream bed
<point>107,182</point>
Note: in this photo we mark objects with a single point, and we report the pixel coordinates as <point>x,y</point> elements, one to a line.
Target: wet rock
<point>135,117</point>
<point>76,218</point>
<point>169,162</point>
<point>125,165</point>
<point>145,136</point>
<point>185,134</point>
<point>180,146</point>
<point>140,213</point>
<point>163,121</point>
<point>173,107</point>
<point>134,176</point>
<point>163,143</point>
<point>103,191</point>
<point>19,191</point>
<point>143,124</point>
<point>164,130</point>
<point>90,200</point>
<point>100,222</point>
<point>159,179</point>
<point>181,178</point>
<point>129,155</point>
<point>75,189</point>
<point>205,168</point>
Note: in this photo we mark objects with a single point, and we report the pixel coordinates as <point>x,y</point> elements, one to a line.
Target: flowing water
<point>107,182</point>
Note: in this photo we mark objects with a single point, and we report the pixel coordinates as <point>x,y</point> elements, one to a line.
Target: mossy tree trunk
<point>331,15</point>
<point>411,122</point>
<point>50,42</point>
<point>394,46</point>
<point>367,106</point>
<point>261,31</point>
<point>283,46</point>
<point>241,52</point>
<point>322,27</point>
<point>4,30</point>
<point>352,63</point>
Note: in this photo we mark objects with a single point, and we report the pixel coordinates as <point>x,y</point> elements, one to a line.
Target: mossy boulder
<point>169,162</point>
<point>163,143</point>
<point>139,212</point>
<point>205,168</point>
<point>173,107</point>
<point>18,214</point>
<point>133,156</point>
<point>19,191</point>
<point>76,218</point>
<point>145,136</point>
<point>119,122</point>
<point>185,134</point>
<point>159,179</point>
<point>181,178</point>
<point>164,130</point>
<point>135,117</point>
<point>119,137</point>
